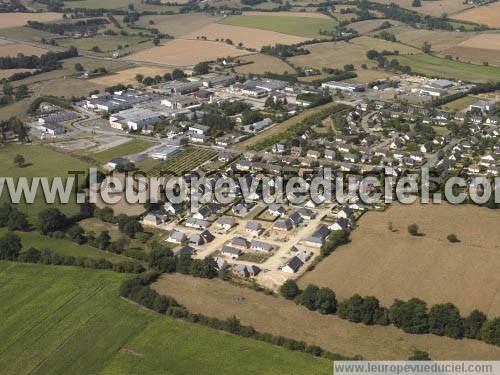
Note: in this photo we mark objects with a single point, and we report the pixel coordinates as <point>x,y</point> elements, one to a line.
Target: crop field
<point>394,264</point>
<point>366,26</point>
<point>71,320</point>
<point>130,148</point>
<point>127,76</point>
<point>478,49</point>
<point>13,49</point>
<point>118,4</point>
<point>40,162</point>
<point>278,316</point>
<point>178,25</point>
<point>64,246</point>
<point>79,87</point>
<point>183,348</point>
<point>307,27</point>
<point>432,7</point>
<point>440,40</point>
<point>263,63</point>
<point>67,320</point>
<point>381,44</point>
<point>20,19</point>
<point>185,161</point>
<point>108,43</point>
<point>438,67</point>
<point>487,15</point>
<point>251,38</point>
<point>186,52</point>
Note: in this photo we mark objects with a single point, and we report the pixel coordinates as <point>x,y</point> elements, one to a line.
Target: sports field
<point>40,162</point>
<point>393,264</point>
<point>439,67</point>
<point>69,320</point>
<point>307,27</point>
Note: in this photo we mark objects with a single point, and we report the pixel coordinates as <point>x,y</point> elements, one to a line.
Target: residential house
<point>240,242</point>
<point>260,246</point>
<point>318,237</point>
<point>232,252</point>
<point>225,223</point>
<point>176,236</point>
<point>283,225</point>
<point>253,228</point>
<point>292,265</point>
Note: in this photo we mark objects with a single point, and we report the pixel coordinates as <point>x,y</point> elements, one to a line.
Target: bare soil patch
<point>391,265</point>
<point>182,52</point>
<point>278,316</point>
<point>251,38</point>
<point>20,19</point>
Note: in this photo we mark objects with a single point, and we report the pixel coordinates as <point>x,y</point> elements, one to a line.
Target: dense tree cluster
<point>314,99</point>
<point>80,26</point>
<point>283,50</point>
<point>47,61</point>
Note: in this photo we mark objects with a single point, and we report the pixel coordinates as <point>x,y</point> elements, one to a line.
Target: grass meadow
<point>132,147</point>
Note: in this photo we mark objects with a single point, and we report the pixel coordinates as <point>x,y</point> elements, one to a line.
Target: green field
<point>117,4</point>
<point>64,246</point>
<point>41,162</point>
<point>437,67</point>
<point>307,27</point>
<point>132,147</point>
<point>459,104</point>
<point>66,320</point>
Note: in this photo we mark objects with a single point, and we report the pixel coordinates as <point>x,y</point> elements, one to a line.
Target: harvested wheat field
<point>278,316</point>
<point>182,52</point>
<point>474,55</point>
<point>381,44</point>
<point>251,38</point>
<point>488,15</point>
<point>127,76</point>
<point>13,49</point>
<point>483,41</point>
<point>178,24</point>
<point>433,7</point>
<point>393,264</point>
<point>20,19</point>
<point>263,63</point>
<point>440,40</point>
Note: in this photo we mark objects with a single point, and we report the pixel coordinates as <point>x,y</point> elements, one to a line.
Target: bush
<point>308,297</point>
<point>452,238</point>
<point>289,289</point>
<point>419,355</point>
<point>490,332</point>
<point>413,229</point>
<point>473,324</point>
<point>445,320</point>
<point>410,316</point>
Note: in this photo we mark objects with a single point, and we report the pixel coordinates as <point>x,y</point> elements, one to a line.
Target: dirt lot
<point>393,265</point>
<point>186,52</point>
<point>488,15</point>
<point>440,40</point>
<point>12,49</point>
<point>280,317</point>
<point>127,76</point>
<point>20,19</point>
<point>251,38</point>
<point>263,63</point>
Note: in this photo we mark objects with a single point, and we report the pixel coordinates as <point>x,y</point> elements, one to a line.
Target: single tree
<point>19,160</point>
<point>289,289</point>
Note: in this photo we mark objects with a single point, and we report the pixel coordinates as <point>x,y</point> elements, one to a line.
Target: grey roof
<point>284,224</point>
<point>231,250</point>
<point>254,244</point>
<point>294,263</point>
<point>253,225</point>
<point>197,222</point>
<point>305,212</point>
<point>226,221</point>
<point>177,235</point>
<point>239,241</point>
<point>319,234</point>
<point>184,250</point>
<point>296,218</point>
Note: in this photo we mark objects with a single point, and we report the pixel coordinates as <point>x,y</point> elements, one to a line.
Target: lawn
<point>64,246</point>
<point>438,67</point>
<point>40,162</point>
<point>132,147</point>
<point>308,27</point>
<point>66,320</point>
<point>459,104</point>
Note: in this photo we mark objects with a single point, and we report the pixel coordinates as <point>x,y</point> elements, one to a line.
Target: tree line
<point>60,28</point>
<point>412,316</point>
<point>47,61</point>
